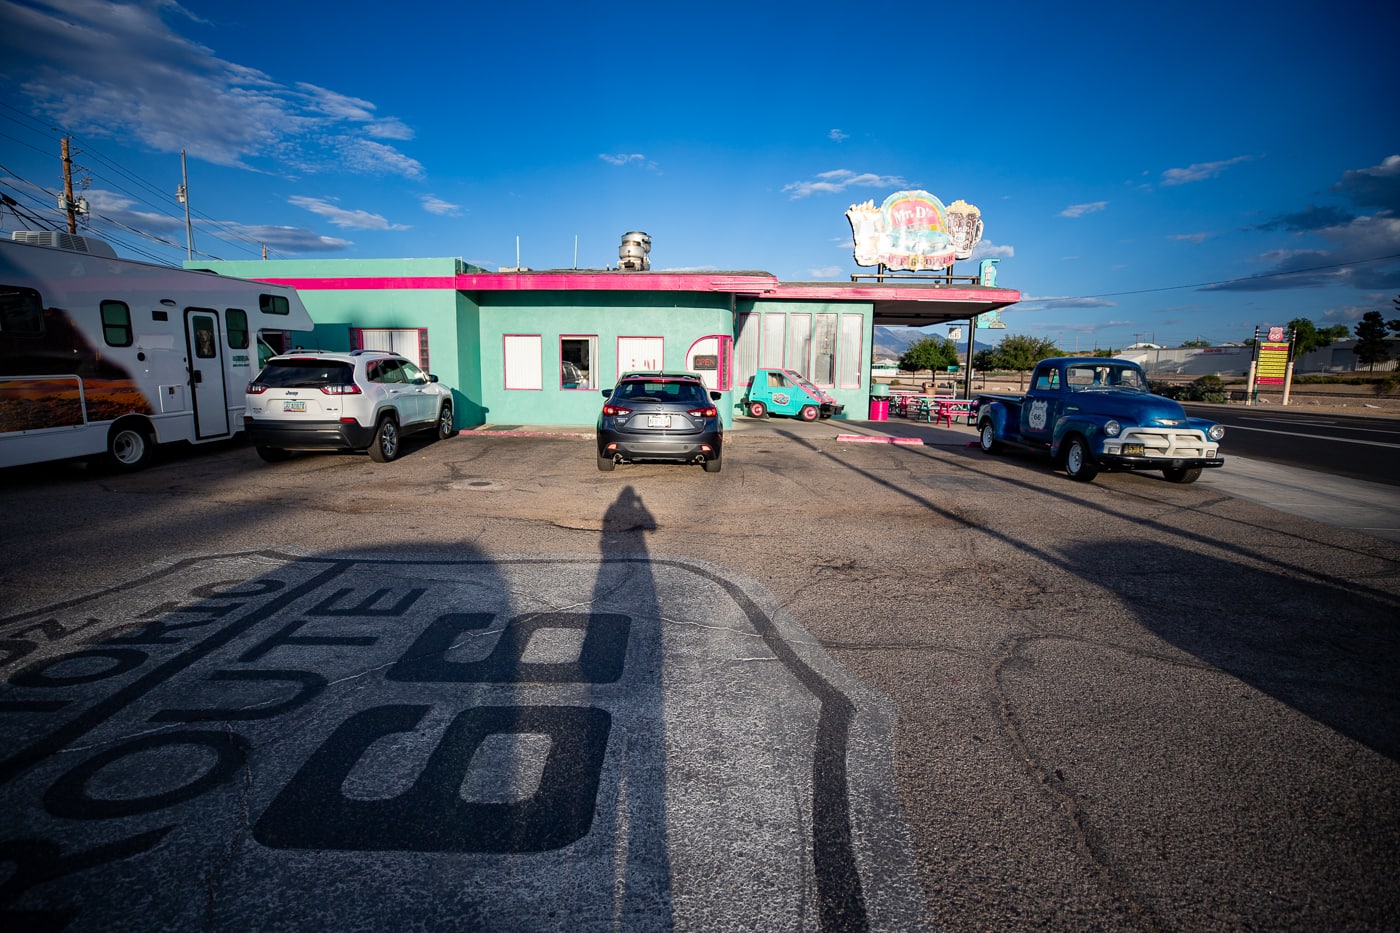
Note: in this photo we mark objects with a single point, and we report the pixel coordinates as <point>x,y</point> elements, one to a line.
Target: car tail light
<point>255,388</point>
<point>341,390</point>
<point>614,411</point>
<point>708,412</point>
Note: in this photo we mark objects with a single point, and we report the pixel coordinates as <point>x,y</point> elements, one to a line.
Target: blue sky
<point>1144,172</point>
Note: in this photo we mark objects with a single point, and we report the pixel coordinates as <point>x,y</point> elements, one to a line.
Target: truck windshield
<point>1105,376</point>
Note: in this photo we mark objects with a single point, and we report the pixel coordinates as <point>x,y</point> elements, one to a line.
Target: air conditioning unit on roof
<point>57,239</point>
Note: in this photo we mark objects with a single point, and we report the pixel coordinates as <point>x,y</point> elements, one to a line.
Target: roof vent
<point>632,254</point>
<point>57,239</point>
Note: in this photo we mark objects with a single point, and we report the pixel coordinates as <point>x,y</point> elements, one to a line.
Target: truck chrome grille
<point>1169,442</point>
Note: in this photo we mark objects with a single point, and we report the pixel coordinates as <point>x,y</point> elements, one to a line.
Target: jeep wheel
<point>809,413</point>
<point>1182,475</point>
<point>1078,464</point>
<point>385,446</point>
<point>987,437</point>
<point>445,426</point>
<point>273,454</point>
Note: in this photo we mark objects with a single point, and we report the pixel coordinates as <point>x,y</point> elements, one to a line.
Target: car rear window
<point>663,391</point>
<point>306,374</point>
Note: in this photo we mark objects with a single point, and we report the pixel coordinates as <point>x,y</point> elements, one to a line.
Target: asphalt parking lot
<point>841,685</point>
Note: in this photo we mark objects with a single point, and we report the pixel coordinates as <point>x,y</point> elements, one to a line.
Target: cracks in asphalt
<point>1052,780</point>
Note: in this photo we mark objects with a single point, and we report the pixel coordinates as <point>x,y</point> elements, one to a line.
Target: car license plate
<point>1130,449</point>
<point>298,405</point>
<point>658,421</point>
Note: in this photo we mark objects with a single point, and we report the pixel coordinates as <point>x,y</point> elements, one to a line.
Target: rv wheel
<point>128,448</point>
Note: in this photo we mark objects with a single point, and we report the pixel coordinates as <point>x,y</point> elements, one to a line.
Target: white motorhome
<point>106,357</point>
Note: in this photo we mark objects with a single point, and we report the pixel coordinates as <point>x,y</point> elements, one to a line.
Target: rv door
<point>206,367</point>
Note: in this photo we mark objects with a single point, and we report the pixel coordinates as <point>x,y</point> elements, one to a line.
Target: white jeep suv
<point>360,400</point>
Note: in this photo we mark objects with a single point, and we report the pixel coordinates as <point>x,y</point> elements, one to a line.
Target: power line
<point>1247,278</point>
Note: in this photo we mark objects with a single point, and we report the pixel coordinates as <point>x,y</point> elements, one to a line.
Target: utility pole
<point>68,204</point>
<point>183,196</point>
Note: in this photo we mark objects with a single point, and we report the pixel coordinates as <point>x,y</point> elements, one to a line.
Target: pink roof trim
<point>763,285</point>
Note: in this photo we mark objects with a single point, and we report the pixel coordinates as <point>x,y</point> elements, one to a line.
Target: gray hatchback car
<point>668,416</point>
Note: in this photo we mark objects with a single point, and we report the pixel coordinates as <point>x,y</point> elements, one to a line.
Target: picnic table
<point>935,409</point>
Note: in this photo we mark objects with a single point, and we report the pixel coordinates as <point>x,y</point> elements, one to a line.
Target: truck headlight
<point>1112,428</point>
<point>1216,432</point>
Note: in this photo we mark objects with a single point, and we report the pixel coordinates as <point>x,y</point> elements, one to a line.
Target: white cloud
<point>1201,171</point>
<point>628,158</point>
<point>1192,237</point>
<point>367,157</point>
<point>827,272</point>
<point>118,70</point>
<point>839,180</point>
<point>1079,210</point>
<point>436,205</point>
<point>986,249</point>
<point>837,136</point>
<point>340,217</point>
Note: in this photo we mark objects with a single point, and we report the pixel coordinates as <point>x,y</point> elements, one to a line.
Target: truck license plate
<point>1130,449</point>
<point>298,405</point>
<point>658,421</point>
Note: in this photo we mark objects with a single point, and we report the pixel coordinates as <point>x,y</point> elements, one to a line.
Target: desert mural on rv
<point>51,376</point>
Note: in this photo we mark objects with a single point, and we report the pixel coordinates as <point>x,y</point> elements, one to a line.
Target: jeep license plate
<point>658,421</point>
<point>1130,449</point>
<point>298,405</point>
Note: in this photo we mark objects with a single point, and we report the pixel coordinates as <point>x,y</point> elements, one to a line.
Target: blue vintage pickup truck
<point>1092,414</point>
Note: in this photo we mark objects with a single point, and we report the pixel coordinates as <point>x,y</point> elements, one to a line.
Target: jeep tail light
<point>255,388</point>
<point>616,411</point>
<point>351,389</point>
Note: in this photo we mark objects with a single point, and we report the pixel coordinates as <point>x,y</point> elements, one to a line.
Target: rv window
<point>237,329</point>
<point>274,304</point>
<point>116,323</point>
<point>21,312</point>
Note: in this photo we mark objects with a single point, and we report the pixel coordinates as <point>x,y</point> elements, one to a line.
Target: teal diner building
<point>531,348</point>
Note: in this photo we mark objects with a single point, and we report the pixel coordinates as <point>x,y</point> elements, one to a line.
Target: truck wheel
<point>385,446</point>
<point>1078,464</point>
<point>757,410</point>
<point>987,437</point>
<point>129,447</point>
<point>809,413</point>
<point>1182,475</point>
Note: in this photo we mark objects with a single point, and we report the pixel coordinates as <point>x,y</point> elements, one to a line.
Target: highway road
<point>1358,447</point>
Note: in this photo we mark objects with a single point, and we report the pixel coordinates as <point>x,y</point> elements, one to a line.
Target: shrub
<point>1208,388</point>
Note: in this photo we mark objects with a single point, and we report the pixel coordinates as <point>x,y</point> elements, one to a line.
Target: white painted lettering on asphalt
<point>261,740</point>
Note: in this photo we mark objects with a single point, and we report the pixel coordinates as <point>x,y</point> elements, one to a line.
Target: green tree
<point>931,353</point>
<point>1020,353</point>
<point>984,360</point>
<point>1108,352</point>
<point>1307,337</point>
<point>1198,342</point>
<point>1370,346</point>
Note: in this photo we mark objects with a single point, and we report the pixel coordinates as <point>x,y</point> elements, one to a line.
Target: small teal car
<point>787,392</point>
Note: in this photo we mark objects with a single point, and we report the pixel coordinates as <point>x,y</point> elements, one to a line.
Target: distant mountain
<point>891,342</point>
